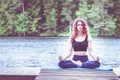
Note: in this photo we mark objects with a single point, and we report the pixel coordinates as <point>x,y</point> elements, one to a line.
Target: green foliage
<point>51,20</point>
<point>116,13</point>
<point>8,10</point>
<point>2,31</point>
<point>101,23</point>
<point>83,10</point>
<point>21,24</point>
<point>51,17</point>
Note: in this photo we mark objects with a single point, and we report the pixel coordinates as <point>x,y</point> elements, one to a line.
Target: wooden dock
<point>16,73</point>
<point>55,74</point>
<point>65,74</point>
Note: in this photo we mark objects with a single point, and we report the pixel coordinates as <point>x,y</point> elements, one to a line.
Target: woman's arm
<point>90,49</point>
<point>69,52</point>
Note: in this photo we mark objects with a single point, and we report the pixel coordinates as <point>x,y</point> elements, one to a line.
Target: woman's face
<point>79,26</point>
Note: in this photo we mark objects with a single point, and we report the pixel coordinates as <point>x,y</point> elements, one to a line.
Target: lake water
<point>44,51</point>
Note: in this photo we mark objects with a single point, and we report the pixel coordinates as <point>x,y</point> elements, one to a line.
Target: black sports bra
<point>80,46</point>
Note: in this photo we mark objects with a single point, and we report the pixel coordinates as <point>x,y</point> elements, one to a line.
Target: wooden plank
<point>17,77</point>
<point>117,71</point>
<point>66,74</point>
<point>19,73</point>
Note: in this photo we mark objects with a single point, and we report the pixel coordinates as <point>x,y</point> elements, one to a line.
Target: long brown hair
<point>75,31</point>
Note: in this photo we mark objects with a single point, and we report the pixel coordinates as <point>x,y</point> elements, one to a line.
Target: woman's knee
<point>91,64</point>
<point>97,64</point>
<point>61,64</point>
<point>67,64</point>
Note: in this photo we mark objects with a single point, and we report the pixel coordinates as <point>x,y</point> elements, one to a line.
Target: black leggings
<point>85,63</point>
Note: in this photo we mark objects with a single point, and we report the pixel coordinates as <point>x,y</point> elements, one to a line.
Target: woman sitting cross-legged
<point>79,42</point>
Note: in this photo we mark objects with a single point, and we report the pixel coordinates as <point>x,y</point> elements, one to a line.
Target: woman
<point>79,42</point>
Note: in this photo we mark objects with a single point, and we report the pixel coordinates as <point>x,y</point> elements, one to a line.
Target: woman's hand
<point>61,58</point>
<point>97,58</point>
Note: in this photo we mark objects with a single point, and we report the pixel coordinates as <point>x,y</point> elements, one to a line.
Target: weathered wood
<point>19,73</point>
<point>17,77</point>
<point>65,74</point>
<point>117,71</point>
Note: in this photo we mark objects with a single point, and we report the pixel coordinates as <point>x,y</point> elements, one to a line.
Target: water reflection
<point>44,51</point>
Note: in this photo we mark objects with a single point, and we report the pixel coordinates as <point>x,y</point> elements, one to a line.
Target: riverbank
<point>66,34</point>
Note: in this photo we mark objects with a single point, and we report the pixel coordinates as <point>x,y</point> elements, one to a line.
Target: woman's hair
<point>75,31</point>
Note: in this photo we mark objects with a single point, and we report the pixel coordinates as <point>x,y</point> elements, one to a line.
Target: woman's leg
<point>90,64</point>
<point>86,63</point>
<point>67,64</point>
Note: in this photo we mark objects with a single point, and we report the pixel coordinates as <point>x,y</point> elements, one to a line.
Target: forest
<point>35,18</point>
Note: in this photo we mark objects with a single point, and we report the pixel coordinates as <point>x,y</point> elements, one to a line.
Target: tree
<point>100,22</point>
<point>68,13</point>
<point>114,11</point>
<point>50,17</point>
<point>8,10</point>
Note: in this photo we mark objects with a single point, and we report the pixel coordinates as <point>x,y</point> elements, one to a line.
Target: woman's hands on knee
<point>61,58</point>
<point>97,58</point>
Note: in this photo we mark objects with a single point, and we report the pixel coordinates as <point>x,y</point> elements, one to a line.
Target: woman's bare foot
<point>77,62</point>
